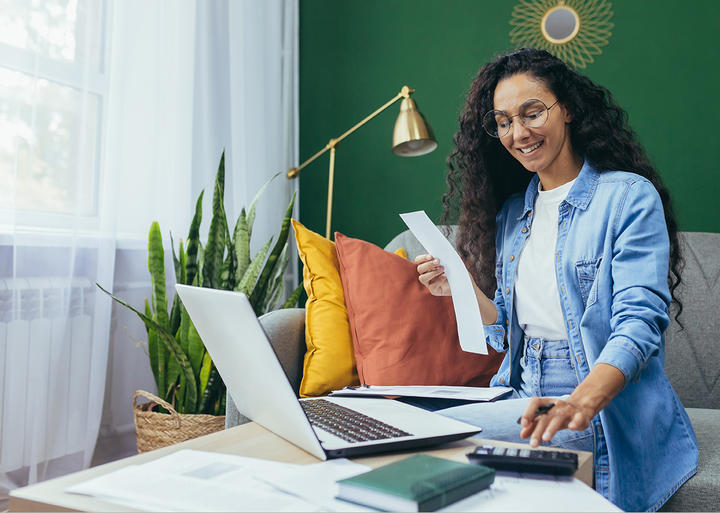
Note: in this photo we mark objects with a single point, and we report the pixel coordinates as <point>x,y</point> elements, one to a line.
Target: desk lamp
<point>412,137</point>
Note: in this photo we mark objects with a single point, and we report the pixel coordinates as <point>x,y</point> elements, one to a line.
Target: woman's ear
<point>567,116</point>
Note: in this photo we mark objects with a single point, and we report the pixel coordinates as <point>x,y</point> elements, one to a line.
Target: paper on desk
<point>470,325</point>
<point>435,392</point>
<point>195,481</point>
<point>532,492</point>
<point>317,483</point>
<point>190,480</point>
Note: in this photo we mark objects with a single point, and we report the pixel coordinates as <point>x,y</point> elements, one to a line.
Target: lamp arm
<point>405,92</point>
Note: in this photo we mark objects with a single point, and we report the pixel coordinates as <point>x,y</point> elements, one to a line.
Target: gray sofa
<point>692,359</point>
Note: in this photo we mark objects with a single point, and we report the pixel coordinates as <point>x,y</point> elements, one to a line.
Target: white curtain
<point>113,115</point>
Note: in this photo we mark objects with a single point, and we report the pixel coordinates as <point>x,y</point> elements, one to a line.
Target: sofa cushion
<point>702,491</point>
<point>328,363</point>
<point>402,334</point>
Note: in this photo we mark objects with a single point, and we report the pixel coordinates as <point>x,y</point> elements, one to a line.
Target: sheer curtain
<point>113,114</point>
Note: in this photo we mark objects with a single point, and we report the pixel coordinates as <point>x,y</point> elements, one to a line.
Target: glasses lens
<point>533,113</point>
<point>496,123</point>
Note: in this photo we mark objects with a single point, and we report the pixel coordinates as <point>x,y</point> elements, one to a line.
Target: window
<point>52,90</point>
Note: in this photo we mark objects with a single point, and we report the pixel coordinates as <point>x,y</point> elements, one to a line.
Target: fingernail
<point>436,261</point>
<point>546,437</point>
<point>534,442</point>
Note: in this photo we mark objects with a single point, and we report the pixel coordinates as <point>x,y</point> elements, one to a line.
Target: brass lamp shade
<point>412,135</point>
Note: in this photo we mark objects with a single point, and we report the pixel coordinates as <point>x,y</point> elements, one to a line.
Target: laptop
<point>254,377</point>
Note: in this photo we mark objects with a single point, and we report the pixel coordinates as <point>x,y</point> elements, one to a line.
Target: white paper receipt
<point>467,312</point>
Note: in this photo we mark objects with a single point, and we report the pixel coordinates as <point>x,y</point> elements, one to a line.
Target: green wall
<point>661,65</point>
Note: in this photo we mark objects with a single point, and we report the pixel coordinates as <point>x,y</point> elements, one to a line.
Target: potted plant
<point>192,393</point>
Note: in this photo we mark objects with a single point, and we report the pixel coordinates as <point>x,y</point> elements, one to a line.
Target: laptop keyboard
<point>350,425</point>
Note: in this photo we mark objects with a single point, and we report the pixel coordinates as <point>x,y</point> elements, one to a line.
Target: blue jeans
<point>546,372</point>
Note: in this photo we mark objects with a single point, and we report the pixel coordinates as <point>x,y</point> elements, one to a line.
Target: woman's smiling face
<point>537,149</point>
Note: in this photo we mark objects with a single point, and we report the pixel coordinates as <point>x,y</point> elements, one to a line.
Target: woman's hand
<point>592,395</point>
<point>432,275</point>
<point>564,415</point>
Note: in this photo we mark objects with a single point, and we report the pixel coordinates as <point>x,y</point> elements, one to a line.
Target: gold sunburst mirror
<point>573,30</point>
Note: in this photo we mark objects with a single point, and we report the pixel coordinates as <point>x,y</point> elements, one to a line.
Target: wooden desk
<point>246,440</point>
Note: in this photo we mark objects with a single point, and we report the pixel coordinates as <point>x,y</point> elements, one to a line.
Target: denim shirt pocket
<point>586,272</point>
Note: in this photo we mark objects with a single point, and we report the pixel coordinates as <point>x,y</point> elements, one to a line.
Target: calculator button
<point>524,453</point>
<point>511,452</point>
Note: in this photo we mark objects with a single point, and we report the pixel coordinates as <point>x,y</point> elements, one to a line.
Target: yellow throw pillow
<point>329,362</point>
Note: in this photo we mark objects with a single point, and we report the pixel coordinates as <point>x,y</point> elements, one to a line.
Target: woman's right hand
<point>432,275</point>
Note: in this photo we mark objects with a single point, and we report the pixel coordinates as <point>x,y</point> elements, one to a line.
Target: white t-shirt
<point>537,301</point>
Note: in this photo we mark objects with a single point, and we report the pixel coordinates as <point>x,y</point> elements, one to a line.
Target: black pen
<point>541,410</point>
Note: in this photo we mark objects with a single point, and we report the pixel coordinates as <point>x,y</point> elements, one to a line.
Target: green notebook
<point>417,483</point>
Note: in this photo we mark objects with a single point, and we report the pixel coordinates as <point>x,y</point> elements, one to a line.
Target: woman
<point>585,258</point>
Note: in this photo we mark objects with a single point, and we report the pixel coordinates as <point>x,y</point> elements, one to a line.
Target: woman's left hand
<point>564,415</point>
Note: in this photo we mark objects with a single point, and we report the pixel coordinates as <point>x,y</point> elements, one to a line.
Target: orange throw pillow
<point>402,334</point>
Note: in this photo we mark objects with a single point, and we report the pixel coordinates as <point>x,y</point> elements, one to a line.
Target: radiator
<point>45,351</point>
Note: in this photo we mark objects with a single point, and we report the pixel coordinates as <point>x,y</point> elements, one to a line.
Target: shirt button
<point>524,230</point>
<point>507,321</point>
<point>512,257</point>
<point>502,380</point>
<point>507,291</point>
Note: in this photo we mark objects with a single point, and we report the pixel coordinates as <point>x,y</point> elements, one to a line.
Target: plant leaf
<point>241,247</point>
<point>212,387</point>
<point>193,241</point>
<point>275,291</point>
<point>172,346</point>
<point>258,293</point>
<point>248,280</point>
<point>196,349</point>
<point>175,315</point>
<point>183,264</point>
<point>152,345</point>
<point>217,236</point>
<point>251,211</point>
<point>176,260</point>
<point>272,301</point>
<point>156,266</point>
<point>294,298</point>
<point>205,372</point>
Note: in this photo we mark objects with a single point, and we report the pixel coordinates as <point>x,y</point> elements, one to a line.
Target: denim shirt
<point>611,263</point>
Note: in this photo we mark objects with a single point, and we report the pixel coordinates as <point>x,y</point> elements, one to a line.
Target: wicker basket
<point>154,429</point>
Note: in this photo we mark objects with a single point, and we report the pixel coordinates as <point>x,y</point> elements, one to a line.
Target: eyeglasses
<point>533,114</point>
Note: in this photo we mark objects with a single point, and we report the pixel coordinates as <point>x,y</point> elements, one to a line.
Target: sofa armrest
<point>286,331</point>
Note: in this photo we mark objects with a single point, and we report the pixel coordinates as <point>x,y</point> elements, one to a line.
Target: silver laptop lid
<point>247,363</point>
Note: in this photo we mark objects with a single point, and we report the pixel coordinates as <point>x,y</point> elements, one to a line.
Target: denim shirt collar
<point>579,196</point>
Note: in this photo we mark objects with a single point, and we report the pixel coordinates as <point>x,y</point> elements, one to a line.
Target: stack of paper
<point>436,392</point>
<point>206,481</point>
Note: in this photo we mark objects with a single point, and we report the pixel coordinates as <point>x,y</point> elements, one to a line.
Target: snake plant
<point>184,371</point>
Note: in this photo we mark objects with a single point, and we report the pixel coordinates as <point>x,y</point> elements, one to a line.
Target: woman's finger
<point>579,422</point>
<point>423,258</point>
<point>429,266</point>
<point>557,422</point>
<point>529,414</point>
<point>427,278</point>
<point>541,423</point>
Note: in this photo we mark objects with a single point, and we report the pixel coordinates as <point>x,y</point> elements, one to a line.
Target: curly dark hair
<point>482,174</point>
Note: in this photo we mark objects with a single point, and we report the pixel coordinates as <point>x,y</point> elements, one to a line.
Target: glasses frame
<point>492,112</point>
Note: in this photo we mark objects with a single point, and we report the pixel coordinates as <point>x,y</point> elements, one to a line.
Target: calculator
<point>559,463</point>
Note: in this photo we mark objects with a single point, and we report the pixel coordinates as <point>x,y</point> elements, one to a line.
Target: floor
<point>114,447</point>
